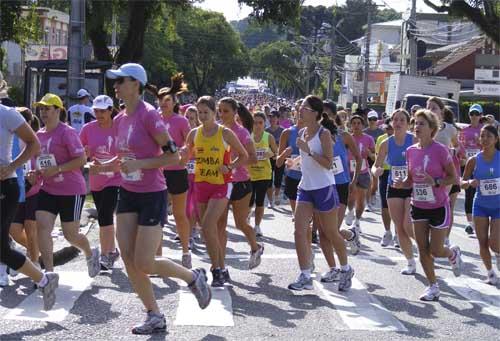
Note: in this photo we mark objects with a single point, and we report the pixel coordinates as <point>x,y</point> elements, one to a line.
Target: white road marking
<point>358,309</point>
<point>477,292</point>
<point>71,286</point>
<point>219,313</point>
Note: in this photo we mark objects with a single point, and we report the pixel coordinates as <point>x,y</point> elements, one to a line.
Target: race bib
<point>45,161</point>
<point>423,192</point>
<point>353,166</point>
<point>295,163</point>
<point>490,186</point>
<point>134,176</point>
<point>261,154</point>
<point>190,166</point>
<point>471,152</point>
<point>337,166</point>
<point>399,172</point>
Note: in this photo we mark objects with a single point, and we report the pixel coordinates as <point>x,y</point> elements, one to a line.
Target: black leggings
<point>259,190</point>
<point>469,199</point>
<point>9,198</point>
<point>277,174</point>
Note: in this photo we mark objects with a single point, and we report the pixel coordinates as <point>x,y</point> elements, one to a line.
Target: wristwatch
<point>170,147</point>
<point>437,182</point>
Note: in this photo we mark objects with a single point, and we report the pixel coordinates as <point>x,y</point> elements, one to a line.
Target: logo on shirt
<point>160,124</point>
<point>214,149</point>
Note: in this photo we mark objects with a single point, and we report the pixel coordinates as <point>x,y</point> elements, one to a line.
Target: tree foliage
<point>484,13</point>
<point>283,13</point>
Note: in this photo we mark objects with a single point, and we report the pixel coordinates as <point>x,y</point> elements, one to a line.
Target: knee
<point>70,235</point>
<point>144,265</point>
<point>436,251</point>
<point>493,244</point>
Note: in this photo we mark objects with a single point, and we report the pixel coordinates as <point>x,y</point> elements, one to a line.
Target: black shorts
<point>69,207</point>
<point>177,181</point>
<point>437,217</point>
<point>259,190</point>
<point>278,173</point>
<point>291,187</point>
<point>105,202</point>
<point>240,190</point>
<point>26,210</point>
<point>401,193</point>
<point>148,206</point>
<point>343,192</point>
<point>382,187</point>
<point>454,189</point>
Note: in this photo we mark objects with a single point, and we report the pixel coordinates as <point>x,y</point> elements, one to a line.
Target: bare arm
<point>353,148</point>
<point>236,146</point>
<point>283,150</point>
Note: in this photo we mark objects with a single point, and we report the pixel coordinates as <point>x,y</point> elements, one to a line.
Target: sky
<point>232,11</point>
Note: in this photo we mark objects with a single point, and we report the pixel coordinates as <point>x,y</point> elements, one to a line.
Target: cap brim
<point>114,74</point>
<point>36,104</point>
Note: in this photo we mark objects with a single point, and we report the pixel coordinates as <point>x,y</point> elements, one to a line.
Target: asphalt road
<point>382,305</point>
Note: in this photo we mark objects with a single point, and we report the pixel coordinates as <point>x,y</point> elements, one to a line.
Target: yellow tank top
<point>210,153</point>
<point>262,169</point>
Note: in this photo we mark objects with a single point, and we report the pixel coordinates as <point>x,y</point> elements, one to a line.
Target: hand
<point>429,179</point>
<point>5,171</point>
<point>352,186</point>
<point>474,183</point>
<point>94,167</point>
<point>399,182</point>
<point>224,169</point>
<point>288,152</point>
<point>50,171</point>
<point>377,171</point>
<point>289,162</point>
<point>302,145</point>
<point>32,177</point>
<point>130,166</point>
<point>184,154</point>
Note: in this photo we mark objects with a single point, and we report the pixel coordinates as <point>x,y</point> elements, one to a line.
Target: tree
<point>282,13</point>
<point>484,13</point>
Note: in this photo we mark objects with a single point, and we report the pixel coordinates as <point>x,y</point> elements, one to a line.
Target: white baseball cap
<point>372,113</point>
<point>133,70</point>
<point>82,93</point>
<point>102,102</point>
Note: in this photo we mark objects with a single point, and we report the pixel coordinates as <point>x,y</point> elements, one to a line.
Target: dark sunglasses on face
<point>120,80</point>
<point>372,119</point>
<point>474,113</point>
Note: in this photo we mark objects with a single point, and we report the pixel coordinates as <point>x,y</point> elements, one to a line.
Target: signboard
<point>487,89</point>
<point>486,75</point>
<point>45,52</point>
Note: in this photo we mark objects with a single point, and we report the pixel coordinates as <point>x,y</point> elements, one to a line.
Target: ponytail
<point>152,89</point>
<point>245,117</point>
<point>328,123</point>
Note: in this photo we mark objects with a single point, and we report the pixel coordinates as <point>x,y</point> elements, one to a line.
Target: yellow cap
<point>50,99</point>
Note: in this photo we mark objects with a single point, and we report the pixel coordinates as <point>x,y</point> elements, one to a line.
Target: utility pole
<point>331,76</point>
<point>412,38</point>
<point>367,55</point>
<point>76,58</point>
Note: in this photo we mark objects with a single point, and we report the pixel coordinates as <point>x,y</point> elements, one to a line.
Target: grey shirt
<point>375,133</point>
<point>10,120</point>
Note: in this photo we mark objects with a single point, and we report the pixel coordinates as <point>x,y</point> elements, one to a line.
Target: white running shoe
<point>4,277</point>
<point>93,263</point>
<point>410,268</point>
<point>431,293</point>
<point>492,278</point>
<point>396,241</point>
<point>386,239</point>
<point>255,257</point>
<point>257,230</point>
<point>456,261</point>
<point>357,226</point>
<point>345,280</point>
<point>186,261</point>
<point>349,218</point>
<point>354,243</point>
<point>331,276</point>
<point>270,205</point>
<point>302,282</point>
<point>49,290</point>
<point>155,323</point>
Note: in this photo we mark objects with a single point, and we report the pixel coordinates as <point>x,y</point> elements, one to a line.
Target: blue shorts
<point>486,212</point>
<point>324,199</point>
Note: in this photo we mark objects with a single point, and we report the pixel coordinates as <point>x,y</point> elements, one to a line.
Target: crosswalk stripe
<point>218,314</point>
<point>71,286</point>
<point>477,292</point>
<point>358,309</point>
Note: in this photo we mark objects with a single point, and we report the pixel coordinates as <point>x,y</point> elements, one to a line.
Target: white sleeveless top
<point>314,176</point>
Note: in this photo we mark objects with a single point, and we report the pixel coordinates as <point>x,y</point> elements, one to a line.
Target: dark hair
<point>483,120</point>
<point>491,128</point>
<point>245,117</point>
<point>316,104</point>
<point>404,112</point>
<point>35,123</point>
<point>260,115</point>
<point>328,123</point>
<point>275,113</point>
<point>231,101</point>
<point>26,113</point>
<point>436,100</point>
<point>449,117</point>
<point>209,101</point>
<point>357,117</point>
<point>330,105</point>
<point>63,115</point>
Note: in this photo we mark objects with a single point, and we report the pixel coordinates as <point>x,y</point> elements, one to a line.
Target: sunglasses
<point>373,119</point>
<point>474,113</point>
<point>121,80</point>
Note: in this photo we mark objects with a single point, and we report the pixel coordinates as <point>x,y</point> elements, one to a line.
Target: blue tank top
<point>292,142</point>
<point>396,155</point>
<point>339,150</point>
<point>487,170</point>
<point>16,150</point>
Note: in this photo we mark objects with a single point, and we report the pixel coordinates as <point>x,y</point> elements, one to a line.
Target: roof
<point>392,23</point>
<point>459,52</point>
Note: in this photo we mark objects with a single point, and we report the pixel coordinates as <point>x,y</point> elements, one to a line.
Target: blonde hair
<point>431,119</point>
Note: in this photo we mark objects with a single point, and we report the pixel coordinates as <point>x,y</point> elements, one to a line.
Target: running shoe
<point>469,230</point>
<point>386,239</point>
<point>93,263</point>
<point>12,272</point>
<point>270,204</point>
<point>217,279</point>
<point>255,257</point>
<point>492,278</point>
<point>225,275</point>
<point>186,261</point>
<point>395,240</point>
<point>331,276</point>
<point>177,238</point>
<point>431,293</point>
<point>357,226</point>
<point>277,202</point>
<point>191,243</point>
<point>349,218</point>
<point>113,256</point>
<point>456,261</point>
<point>49,290</point>
<point>105,263</point>
<point>200,288</point>
<point>302,282</point>
<point>410,268</point>
<point>354,243</point>
<point>314,237</point>
<point>4,277</point>
<point>155,323</point>
<point>345,279</point>
<point>258,232</point>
